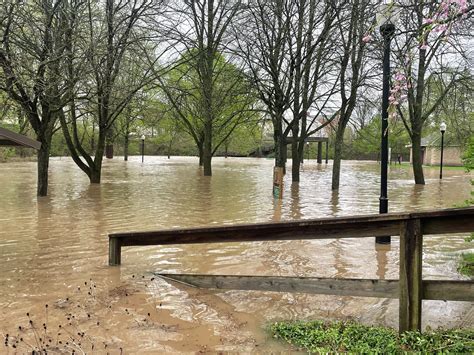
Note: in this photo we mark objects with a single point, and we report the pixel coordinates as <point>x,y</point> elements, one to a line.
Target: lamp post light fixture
<point>143,147</point>
<point>386,18</point>
<point>442,129</point>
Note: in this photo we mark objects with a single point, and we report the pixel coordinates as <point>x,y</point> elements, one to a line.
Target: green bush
<point>334,337</point>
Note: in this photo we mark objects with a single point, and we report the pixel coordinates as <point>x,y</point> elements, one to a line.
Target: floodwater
<point>53,252</point>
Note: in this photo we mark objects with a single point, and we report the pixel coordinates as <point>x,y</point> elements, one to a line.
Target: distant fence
<point>411,289</point>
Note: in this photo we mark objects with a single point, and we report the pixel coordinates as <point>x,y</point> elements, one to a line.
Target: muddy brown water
<point>53,252</point>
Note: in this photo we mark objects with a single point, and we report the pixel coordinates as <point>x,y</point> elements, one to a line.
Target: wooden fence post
<point>115,251</point>
<point>410,285</point>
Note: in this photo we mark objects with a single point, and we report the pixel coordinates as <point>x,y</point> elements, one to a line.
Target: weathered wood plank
<point>448,290</point>
<point>447,212</point>
<point>264,232</point>
<point>434,222</point>
<point>432,289</point>
<point>410,287</point>
<point>462,223</point>
<point>115,251</point>
<point>315,285</point>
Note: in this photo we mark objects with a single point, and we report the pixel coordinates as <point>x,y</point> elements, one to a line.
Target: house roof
<point>9,138</point>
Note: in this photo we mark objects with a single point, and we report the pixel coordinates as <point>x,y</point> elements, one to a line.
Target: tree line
<point>90,69</point>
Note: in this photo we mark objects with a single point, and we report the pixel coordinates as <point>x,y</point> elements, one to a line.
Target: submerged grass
<point>466,265</point>
<point>333,337</point>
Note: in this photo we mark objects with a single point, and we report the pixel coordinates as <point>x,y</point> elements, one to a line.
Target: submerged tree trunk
<point>417,159</point>
<point>280,142</point>
<point>43,165</point>
<point>96,168</point>
<point>301,146</point>
<point>125,147</point>
<point>336,168</point>
<point>207,149</point>
<point>295,157</point>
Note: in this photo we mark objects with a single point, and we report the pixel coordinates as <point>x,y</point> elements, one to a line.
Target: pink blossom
<point>367,38</point>
<point>440,28</point>
<point>400,76</point>
<point>462,5</point>
<point>428,21</point>
<point>424,46</point>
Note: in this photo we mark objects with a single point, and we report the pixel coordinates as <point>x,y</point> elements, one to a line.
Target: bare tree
<point>262,34</point>
<point>312,50</point>
<point>104,70</point>
<point>31,53</point>
<point>353,23</point>
<point>199,31</point>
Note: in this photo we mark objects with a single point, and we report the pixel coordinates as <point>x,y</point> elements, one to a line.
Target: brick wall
<point>451,156</point>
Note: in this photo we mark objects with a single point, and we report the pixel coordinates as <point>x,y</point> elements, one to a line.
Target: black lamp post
<point>442,129</point>
<point>387,29</point>
<point>307,150</point>
<point>143,147</point>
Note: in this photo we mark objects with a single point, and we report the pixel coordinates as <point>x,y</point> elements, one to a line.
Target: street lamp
<point>143,147</point>
<point>386,19</point>
<point>442,129</point>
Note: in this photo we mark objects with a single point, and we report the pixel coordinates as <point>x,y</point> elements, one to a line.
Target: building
<point>431,151</point>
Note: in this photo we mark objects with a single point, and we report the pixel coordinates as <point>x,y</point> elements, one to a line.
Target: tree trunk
<point>125,148</point>
<point>43,165</point>
<point>301,146</point>
<point>95,174</point>
<point>109,151</point>
<point>109,147</point>
<point>207,164</point>
<point>295,157</point>
<point>200,152</point>
<point>336,167</point>
<point>280,142</point>
<point>417,160</point>
<point>96,168</point>
<point>127,134</point>
<point>207,149</point>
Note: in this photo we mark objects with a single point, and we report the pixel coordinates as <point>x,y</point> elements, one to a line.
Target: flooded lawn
<point>53,252</point>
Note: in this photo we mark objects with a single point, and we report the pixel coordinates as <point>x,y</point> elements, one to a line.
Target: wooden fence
<point>411,289</point>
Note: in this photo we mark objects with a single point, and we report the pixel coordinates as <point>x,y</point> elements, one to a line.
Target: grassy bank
<point>324,337</point>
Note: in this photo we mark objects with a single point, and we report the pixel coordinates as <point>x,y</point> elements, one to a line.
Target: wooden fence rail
<point>411,289</point>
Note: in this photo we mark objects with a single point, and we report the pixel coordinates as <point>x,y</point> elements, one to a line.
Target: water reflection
<point>52,245</point>
<point>381,252</point>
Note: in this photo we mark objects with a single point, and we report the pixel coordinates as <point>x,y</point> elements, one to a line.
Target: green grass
<point>466,265</point>
<point>351,337</point>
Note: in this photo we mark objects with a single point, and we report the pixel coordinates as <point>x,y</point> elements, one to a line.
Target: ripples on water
<point>50,245</point>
